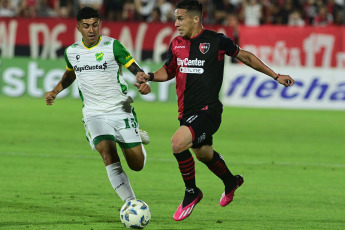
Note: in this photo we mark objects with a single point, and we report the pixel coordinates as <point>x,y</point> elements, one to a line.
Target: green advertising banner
<point>33,77</point>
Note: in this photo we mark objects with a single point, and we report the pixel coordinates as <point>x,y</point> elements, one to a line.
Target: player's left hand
<point>143,88</point>
<point>286,80</point>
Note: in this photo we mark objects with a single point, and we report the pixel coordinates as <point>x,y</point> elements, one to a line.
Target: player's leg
<point>180,143</point>
<point>131,138</point>
<point>101,138</point>
<point>117,177</point>
<point>135,157</point>
<point>215,162</point>
<point>203,127</point>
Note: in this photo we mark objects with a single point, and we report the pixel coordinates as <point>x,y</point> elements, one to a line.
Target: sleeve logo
<point>204,47</point>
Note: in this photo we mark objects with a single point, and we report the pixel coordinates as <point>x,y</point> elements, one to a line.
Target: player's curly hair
<point>191,6</point>
<point>86,13</point>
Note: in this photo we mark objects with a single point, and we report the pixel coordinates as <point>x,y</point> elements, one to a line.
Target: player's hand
<point>286,80</point>
<point>142,77</point>
<point>49,97</point>
<point>143,88</point>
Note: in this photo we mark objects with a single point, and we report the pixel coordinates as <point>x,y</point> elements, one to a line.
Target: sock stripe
<point>186,161</point>
<point>187,164</point>
<point>218,171</point>
<point>189,178</point>
<point>190,169</point>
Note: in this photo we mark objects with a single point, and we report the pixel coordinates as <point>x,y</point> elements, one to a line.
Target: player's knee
<point>177,145</point>
<point>201,158</point>
<point>137,166</point>
<point>204,154</point>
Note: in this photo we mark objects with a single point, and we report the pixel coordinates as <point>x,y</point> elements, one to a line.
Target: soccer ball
<point>135,214</point>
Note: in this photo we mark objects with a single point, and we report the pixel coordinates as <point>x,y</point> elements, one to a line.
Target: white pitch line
<point>96,156</point>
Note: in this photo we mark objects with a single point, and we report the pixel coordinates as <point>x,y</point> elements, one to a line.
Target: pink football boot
<point>226,199</point>
<point>183,212</point>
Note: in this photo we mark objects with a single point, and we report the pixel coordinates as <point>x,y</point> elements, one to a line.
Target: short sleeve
<point>228,45</point>
<point>122,55</point>
<point>170,64</point>
<point>69,67</point>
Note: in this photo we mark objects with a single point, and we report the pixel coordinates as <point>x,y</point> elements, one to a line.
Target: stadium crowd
<point>226,12</point>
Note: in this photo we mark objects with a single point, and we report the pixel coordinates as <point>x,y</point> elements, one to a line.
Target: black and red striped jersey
<point>198,64</point>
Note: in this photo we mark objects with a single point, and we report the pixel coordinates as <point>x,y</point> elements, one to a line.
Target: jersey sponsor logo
<point>187,62</point>
<point>90,67</point>
<point>180,47</point>
<point>191,70</point>
<point>99,56</point>
<point>204,47</point>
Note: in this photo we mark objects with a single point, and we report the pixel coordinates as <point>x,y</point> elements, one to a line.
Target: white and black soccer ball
<point>135,214</point>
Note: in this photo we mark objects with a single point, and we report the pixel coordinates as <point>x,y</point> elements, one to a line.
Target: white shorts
<point>121,127</point>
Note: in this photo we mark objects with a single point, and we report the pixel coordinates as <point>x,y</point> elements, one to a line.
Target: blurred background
<point>219,12</point>
<point>304,38</point>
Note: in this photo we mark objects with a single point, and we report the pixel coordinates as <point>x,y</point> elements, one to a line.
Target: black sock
<point>187,168</point>
<point>189,195</point>
<point>186,165</point>
<point>218,166</point>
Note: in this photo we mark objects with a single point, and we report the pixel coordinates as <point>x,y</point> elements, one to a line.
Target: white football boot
<point>145,139</point>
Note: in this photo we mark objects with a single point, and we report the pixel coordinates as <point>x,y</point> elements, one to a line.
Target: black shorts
<point>202,125</point>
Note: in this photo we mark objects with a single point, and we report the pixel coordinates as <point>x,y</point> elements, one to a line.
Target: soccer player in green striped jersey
<point>95,62</point>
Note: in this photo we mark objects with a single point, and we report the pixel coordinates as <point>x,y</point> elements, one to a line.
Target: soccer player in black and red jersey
<point>196,59</point>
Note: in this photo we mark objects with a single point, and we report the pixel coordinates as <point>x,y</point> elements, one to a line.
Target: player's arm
<point>66,80</point>
<point>160,75</point>
<point>143,88</point>
<point>125,58</point>
<point>253,61</point>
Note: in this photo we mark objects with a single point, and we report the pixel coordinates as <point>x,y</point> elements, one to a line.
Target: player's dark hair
<point>191,6</point>
<point>86,13</point>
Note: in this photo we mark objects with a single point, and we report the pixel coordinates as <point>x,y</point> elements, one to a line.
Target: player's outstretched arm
<point>160,75</point>
<point>67,79</point>
<point>253,61</point>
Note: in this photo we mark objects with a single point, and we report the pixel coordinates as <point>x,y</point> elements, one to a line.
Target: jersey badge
<point>99,56</point>
<point>204,47</point>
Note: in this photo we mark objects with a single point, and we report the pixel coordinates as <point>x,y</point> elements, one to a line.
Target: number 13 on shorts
<point>131,123</point>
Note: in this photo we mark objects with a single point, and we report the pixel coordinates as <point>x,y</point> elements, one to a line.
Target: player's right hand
<point>285,80</point>
<point>142,77</point>
<point>49,97</point>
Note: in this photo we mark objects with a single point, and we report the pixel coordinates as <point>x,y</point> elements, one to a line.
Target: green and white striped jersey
<point>97,68</point>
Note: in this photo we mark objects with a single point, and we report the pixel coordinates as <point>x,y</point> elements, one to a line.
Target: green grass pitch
<point>293,163</point>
